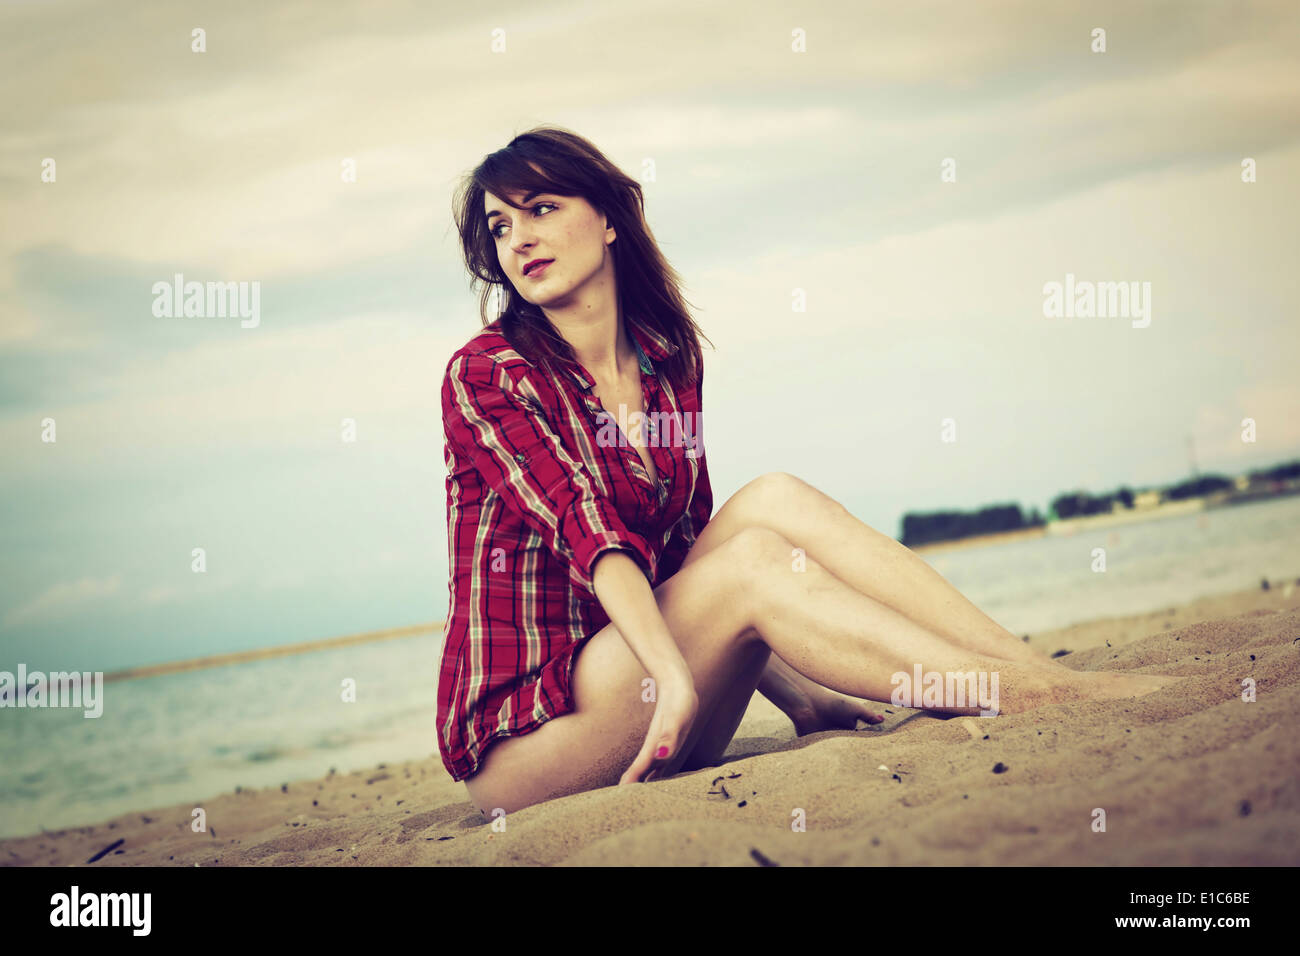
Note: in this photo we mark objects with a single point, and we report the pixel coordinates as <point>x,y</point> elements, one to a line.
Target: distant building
<point>1146,499</point>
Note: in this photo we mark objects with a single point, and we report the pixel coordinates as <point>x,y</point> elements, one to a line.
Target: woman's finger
<point>637,768</point>
<point>645,759</point>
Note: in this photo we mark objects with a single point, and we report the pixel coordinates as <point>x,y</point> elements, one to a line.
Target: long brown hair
<point>572,166</point>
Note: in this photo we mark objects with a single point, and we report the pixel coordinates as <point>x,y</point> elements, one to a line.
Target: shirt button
<point>520,457</point>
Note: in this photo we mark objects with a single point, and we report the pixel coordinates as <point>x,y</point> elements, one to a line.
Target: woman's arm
<point>627,598</point>
<point>504,434</point>
<point>630,603</point>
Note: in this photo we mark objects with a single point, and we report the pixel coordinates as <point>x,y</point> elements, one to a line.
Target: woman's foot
<point>1044,687</point>
<point>831,711</point>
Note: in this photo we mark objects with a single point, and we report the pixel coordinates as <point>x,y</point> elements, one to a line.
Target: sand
<point>1190,775</point>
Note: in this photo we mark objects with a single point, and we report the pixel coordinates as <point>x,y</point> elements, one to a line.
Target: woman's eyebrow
<point>527,198</point>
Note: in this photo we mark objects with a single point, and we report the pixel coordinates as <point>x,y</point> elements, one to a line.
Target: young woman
<point>602,627</point>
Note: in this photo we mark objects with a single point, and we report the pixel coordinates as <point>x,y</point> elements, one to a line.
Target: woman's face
<point>564,229</point>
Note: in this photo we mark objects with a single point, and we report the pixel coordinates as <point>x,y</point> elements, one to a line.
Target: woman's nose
<point>521,237</point>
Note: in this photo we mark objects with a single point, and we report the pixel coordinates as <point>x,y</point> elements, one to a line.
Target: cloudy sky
<point>776,169</point>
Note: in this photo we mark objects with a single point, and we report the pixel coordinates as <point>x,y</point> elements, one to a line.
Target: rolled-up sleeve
<point>519,456</point>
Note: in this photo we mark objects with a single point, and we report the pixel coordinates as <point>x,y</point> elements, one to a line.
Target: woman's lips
<point>538,269</point>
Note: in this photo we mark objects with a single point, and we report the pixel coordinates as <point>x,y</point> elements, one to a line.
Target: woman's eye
<point>495,230</point>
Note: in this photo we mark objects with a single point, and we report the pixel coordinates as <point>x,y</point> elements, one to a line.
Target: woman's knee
<point>727,570</point>
<point>769,490</point>
<point>758,549</point>
<point>780,493</point>
<point>781,487</point>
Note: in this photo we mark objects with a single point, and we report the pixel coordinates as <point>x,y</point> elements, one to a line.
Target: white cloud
<point>62,597</point>
<point>233,166</point>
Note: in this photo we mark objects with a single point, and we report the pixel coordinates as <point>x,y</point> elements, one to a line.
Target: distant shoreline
<point>970,541</point>
<point>1065,527</point>
<point>282,650</point>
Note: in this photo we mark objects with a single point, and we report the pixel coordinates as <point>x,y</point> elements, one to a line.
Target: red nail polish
<point>662,752</point>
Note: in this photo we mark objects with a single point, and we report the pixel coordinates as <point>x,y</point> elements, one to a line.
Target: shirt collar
<point>650,346</point>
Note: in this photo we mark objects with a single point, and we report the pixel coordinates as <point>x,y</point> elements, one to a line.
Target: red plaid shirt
<point>534,497</point>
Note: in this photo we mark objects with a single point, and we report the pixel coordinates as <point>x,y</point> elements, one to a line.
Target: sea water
<point>186,737</point>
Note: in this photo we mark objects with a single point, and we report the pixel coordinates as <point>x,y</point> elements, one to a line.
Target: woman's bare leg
<point>849,642</point>
<point>707,613</point>
<point>868,561</point>
<point>728,611</point>
<point>810,706</point>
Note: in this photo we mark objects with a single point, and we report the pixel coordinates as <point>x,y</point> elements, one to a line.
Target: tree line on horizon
<point>926,527</point>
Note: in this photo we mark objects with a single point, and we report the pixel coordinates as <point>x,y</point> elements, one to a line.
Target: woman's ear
<point>610,233</point>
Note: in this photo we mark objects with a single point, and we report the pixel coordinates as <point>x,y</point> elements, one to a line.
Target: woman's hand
<point>676,705</point>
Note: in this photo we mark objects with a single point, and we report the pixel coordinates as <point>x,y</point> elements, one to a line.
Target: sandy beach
<point>1190,775</point>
